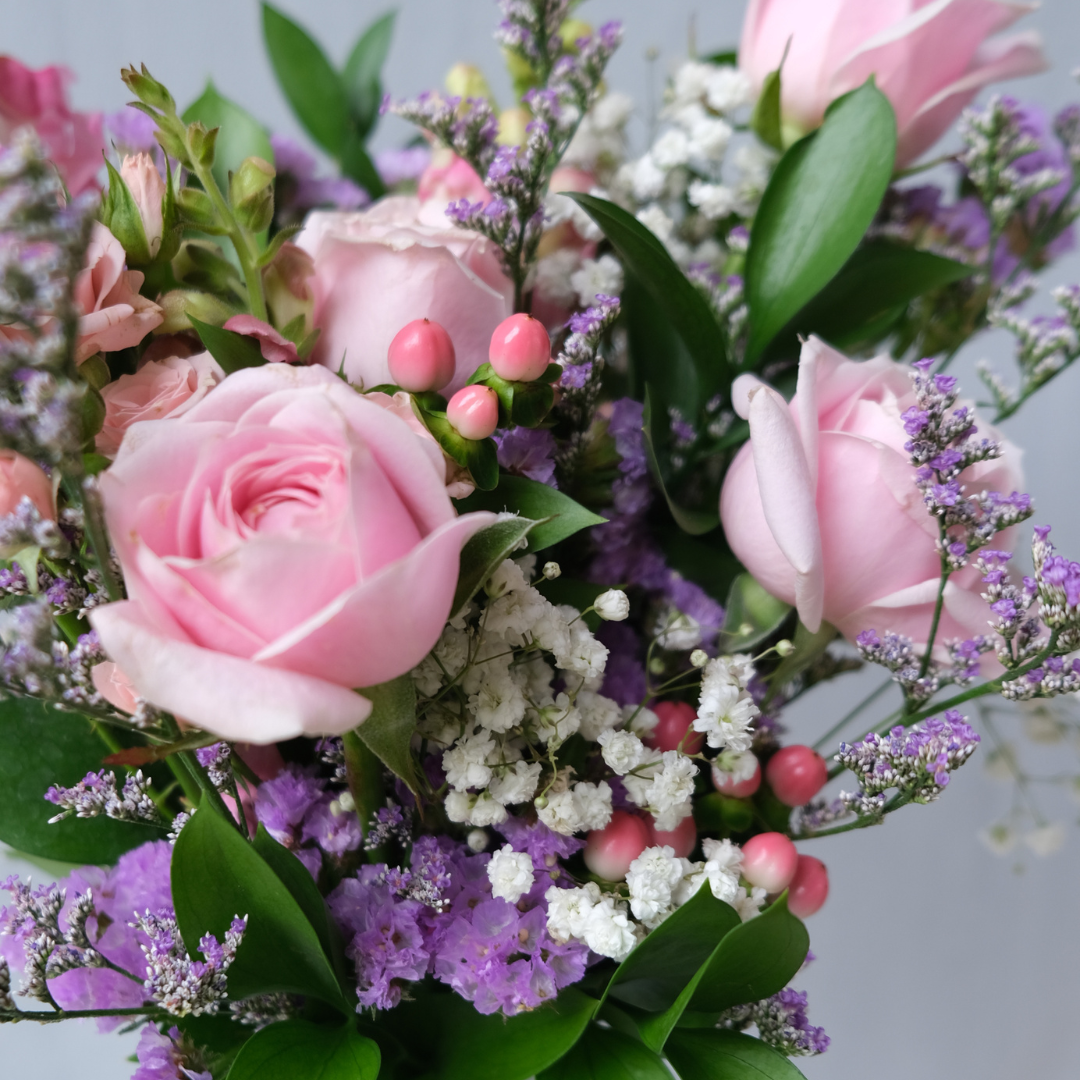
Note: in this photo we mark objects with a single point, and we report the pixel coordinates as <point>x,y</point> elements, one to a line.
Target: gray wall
<point>937,960</point>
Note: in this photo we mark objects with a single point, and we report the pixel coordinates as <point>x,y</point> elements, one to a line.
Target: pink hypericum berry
<point>796,774</point>
<point>769,861</point>
<point>682,838</point>
<point>670,734</point>
<point>474,411</point>
<point>809,888</point>
<point>726,784</point>
<point>421,357</point>
<point>610,851</point>
<point>520,349</point>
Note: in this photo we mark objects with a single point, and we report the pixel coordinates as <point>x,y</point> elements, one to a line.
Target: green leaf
<point>751,614</point>
<point>654,974</point>
<point>312,87</point>
<point>356,164</point>
<point>604,1054</point>
<point>388,731</point>
<point>819,203</point>
<point>216,874</point>
<point>765,120</point>
<point>727,1055</point>
<point>363,72</point>
<point>298,1050</point>
<point>477,1047</point>
<point>41,746</point>
<point>483,553</point>
<point>120,215</point>
<point>231,350</point>
<point>241,135</point>
<point>694,522</point>
<point>531,499</point>
<point>753,961</point>
<point>682,304</point>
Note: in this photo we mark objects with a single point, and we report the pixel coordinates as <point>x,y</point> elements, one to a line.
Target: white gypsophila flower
<point>510,873</point>
<point>553,276</point>
<point>735,766</point>
<point>727,89</point>
<point>677,631</point>
<point>593,803</point>
<point>612,111</point>
<point>638,782</point>
<point>608,931</point>
<point>748,904</point>
<point>477,840</point>
<point>725,715</point>
<point>597,276</point>
<point>709,251</point>
<point>671,149</point>
<point>644,178</point>
<point>557,720</point>
<point>657,222</point>
<point>535,677</point>
<point>640,719</point>
<point>486,811</point>
<point>516,614</point>
<point>651,878</point>
<point>715,201</point>
<point>428,677</point>
<point>691,83</point>
<point>1046,839</point>
<point>737,668</point>
<point>612,605</point>
<point>724,854</point>
<point>498,704</point>
<point>1000,838</point>
<point>753,164</point>
<point>582,654</point>
<point>508,577</point>
<point>458,805</point>
<point>465,762</point>
<point>561,813</point>
<point>598,714</point>
<point>516,785</point>
<point>709,140</point>
<point>551,632</point>
<point>670,792</point>
<point>568,910</point>
<point>622,751</point>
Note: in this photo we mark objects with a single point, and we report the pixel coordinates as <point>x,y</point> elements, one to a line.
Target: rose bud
<point>474,411</point>
<point>809,888</point>
<point>610,851</point>
<point>520,349</point>
<point>673,731</point>
<point>148,190</point>
<point>796,774</point>
<point>769,861</point>
<point>421,357</point>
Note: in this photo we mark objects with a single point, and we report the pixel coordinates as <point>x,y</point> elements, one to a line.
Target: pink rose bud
<point>474,411</point>
<point>729,784</point>
<point>610,851</point>
<point>21,478</point>
<point>682,838</point>
<point>114,686</point>
<point>148,190</point>
<point>769,861</point>
<point>520,349</point>
<point>671,733</point>
<point>421,357</point>
<point>796,774</point>
<point>809,888</point>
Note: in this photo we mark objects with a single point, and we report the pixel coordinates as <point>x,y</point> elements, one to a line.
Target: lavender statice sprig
<point>97,794</point>
<point>782,1022</point>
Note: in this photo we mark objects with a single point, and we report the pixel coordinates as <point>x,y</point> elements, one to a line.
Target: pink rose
<point>148,190</point>
<point>113,314</point>
<point>448,178</point>
<point>73,141</point>
<point>114,686</point>
<point>282,542</point>
<point>20,478</point>
<point>160,388</point>
<point>821,505</point>
<point>929,57</point>
<point>378,269</point>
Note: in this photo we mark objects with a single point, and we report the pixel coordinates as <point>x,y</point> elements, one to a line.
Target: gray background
<point>936,959</point>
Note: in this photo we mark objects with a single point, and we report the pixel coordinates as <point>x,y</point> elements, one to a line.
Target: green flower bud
<point>197,211</point>
<point>148,90</point>
<point>251,193</point>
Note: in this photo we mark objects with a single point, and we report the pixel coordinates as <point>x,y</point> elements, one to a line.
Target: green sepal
<point>120,215</point>
<point>479,456</point>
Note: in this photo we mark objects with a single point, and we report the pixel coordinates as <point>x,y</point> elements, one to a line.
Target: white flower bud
<point>477,840</point>
<point>699,658</point>
<point>784,648</point>
<point>613,605</point>
<point>552,570</point>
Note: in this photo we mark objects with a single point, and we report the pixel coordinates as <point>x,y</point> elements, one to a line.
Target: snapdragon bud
<point>552,570</point>
<point>251,193</point>
<point>613,605</point>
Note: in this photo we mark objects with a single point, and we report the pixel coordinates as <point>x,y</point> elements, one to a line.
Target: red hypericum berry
<point>610,851</point>
<point>474,411</point>
<point>671,733</point>
<point>809,888</point>
<point>796,774</point>
<point>682,838</point>
<point>726,784</point>
<point>520,349</point>
<point>421,357</point>
<point>769,861</point>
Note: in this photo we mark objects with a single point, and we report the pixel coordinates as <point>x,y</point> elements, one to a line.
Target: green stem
<point>899,799</point>
<point>95,534</point>
<point>939,604</point>
<point>19,1015</point>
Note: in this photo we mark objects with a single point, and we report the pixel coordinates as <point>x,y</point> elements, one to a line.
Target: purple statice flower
<point>166,1057</point>
<point>624,674</point>
<point>217,761</point>
<point>528,452</point>
<point>332,828</point>
<point>299,189</point>
<point>782,1022</point>
<point>402,166</point>
<point>96,794</point>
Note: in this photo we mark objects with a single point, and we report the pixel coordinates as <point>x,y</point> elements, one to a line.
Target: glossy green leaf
<point>654,974</point>
<point>751,614</point>
<point>240,134</point>
<point>310,84</point>
<point>682,304</point>
<point>483,553</point>
<point>531,499</point>
<point>298,1050</point>
<point>388,731</point>
<point>477,1047</point>
<point>41,746</point>
<point>753,961</point>
<point>765,120</point>
<point>231,350</point>
<point>727,1055</point>
<point>819,203</point>
<point>604,1054</point>
<point>363,72</point>
<point>356,164</point>
<point>216,874</point>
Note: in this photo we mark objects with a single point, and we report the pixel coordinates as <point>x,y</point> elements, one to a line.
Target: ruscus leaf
<point>362,76</point>
<point>727,1055</point>
<point>605,1054</point>
<point>231,350</point>
<point>484,551</point>
<point>388,731</point>
<point>298,1050</point>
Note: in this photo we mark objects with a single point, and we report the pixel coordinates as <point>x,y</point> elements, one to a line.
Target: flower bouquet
<point>406,571</point>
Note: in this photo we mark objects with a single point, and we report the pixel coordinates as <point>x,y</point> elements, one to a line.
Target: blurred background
<point>936,958</point>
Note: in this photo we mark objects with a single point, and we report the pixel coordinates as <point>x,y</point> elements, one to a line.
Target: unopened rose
<point>148,190</point>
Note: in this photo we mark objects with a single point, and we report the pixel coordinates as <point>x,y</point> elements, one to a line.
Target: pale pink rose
<point>929,57</point>
<point>160,388</point>
<point>378,269</point>
<point>448,178</point>
<point>72,140</point>
<point>148,190</point>
<point>114,686</point>
<point>821,505</point>
<point>282,543</point>
<point>274,348</point>
<point>112,313</point>
<point>20,478</point>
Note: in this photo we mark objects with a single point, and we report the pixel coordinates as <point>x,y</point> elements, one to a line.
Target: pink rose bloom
<point>20,478</point>
<point>282,542</point>
<point>73,141</point>
<point>378,269</point>
<point>821,505</point>
<point>929,57</point>
<point>113,314</point>
<point>160,388</point>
